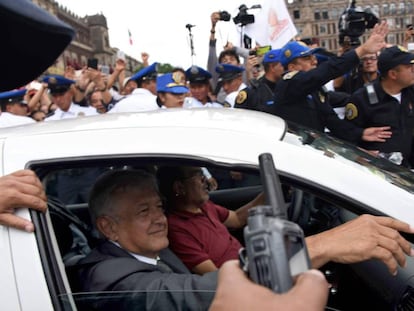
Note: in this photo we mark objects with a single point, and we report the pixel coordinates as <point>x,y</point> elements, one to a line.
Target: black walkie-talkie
<point>275,247</point>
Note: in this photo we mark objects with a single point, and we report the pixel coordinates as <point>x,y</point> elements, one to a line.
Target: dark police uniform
<point>300,98</point>
<point>261,91</point>
<point>387,111</point>
<point>260,94</point>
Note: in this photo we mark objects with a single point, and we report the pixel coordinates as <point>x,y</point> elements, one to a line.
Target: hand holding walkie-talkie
<point>275,247</point>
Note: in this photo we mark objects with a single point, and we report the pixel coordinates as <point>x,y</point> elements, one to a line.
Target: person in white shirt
<point>14,109</point>
<point>200,89</point>
<point>231,79</point>
<point>144,97</point>
<point>62,91</point>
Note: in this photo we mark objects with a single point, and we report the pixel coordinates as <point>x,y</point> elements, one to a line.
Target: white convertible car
<point>329,182</point>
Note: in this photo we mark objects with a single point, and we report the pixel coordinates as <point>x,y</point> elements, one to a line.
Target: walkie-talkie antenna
<point>271,184</point>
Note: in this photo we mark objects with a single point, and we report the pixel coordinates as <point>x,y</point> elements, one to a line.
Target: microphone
<point>189,26</point>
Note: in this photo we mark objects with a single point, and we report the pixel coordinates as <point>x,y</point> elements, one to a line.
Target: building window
<point>391,39</point>
<point>325,15</point>
<point>376,9</point>
<point>401,8</point>
<point>322,29</point>
<point>390,22</point>
<point>385,9</point>
<point>334,13</point>
<point>317,15</point>
<point>393,9</point>
<point>296,14</point>
<point>409,7</point>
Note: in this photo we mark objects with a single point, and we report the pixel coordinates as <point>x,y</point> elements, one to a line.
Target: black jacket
<point>110,268</point>
<point>299,98</point>
<point>386,112</point>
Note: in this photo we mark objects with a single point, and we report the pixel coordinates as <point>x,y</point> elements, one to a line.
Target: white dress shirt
<point>139,100</point>
<point>74,111</point>
<point>231,98</point>
<point>8,119</point>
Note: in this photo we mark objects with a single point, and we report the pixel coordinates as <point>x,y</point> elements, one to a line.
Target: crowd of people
<point>126,205</point>
<point>360,95</point>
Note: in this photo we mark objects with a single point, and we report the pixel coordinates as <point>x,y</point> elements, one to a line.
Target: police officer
<point>231,80</point>
<point>261,92</point>
<point>62,91</point>
<point>389,101</point>
<point>13,109</point>
<point>200,89</point>
<point>171,90</point>
<point>299,96</point>
<point>144,97</point>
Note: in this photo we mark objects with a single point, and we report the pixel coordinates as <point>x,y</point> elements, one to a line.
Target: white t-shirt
<point>8,119</point>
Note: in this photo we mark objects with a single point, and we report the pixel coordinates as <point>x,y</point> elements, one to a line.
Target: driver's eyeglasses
<point>198,174</point>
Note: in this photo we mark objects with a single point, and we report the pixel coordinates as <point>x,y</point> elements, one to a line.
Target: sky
<point>158,27</point>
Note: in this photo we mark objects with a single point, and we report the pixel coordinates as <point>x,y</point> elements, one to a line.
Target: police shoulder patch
<point>351,111</point>
<point>290,75</point>
<point>241,97</point>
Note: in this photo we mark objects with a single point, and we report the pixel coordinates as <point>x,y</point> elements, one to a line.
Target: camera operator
<point>365,72</point>
<point>230,54</point>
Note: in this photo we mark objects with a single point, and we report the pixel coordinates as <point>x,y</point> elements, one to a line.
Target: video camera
<point>243,18</point>
<point>275,247</point>
<point>353,22</point>
<point>224,16</point>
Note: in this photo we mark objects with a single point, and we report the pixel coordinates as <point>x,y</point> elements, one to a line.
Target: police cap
<point>228,72</point>
<point>171,83</point>
<point>273,56</point>
<point>295,49</point>
<point>14,96</point>
<point>58,84</point>
<point>196,74</point>
<point>393,56</point>
<point>146,73</point>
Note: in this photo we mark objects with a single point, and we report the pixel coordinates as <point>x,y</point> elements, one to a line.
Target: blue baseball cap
<point>295,49</point>
<point>25,24</point>
<point>196,74</point>
<point>14,96</point>
<point>171,83</point>
<point>58,84</point>
<point>147,73</point>
<point>273,56</point>
<point>228,72</point>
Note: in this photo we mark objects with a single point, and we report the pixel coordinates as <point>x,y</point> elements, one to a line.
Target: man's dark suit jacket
<point>111,269</point>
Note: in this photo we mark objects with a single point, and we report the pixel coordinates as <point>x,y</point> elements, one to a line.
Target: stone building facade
<point>91,40</point>
<point>318,19</point>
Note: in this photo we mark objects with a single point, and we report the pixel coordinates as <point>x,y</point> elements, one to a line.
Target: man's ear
<point>291,67</point>
<point>108,227</point>
<point>178,188</point>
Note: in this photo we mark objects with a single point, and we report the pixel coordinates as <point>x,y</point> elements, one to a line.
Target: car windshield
<point>345,152</point>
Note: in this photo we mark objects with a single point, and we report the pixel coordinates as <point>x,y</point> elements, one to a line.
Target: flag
<point>273,25</point>
<point>130,37</point>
